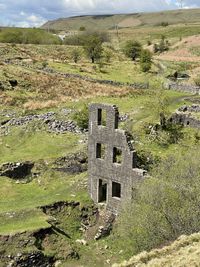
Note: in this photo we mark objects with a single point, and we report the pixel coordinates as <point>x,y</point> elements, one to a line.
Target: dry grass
<point>35,52</point>
<point>182,50</point>
<point>183,252</point>
<point>38,90</point>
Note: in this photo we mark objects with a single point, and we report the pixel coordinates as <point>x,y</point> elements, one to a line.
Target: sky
<point>27,13</point>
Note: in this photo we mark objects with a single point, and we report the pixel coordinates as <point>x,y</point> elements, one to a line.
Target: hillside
<point>109,22</point>
<point>47,217</point>
<point>183,252</point>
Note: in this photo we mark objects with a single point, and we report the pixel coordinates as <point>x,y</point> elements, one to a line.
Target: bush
<point>163,24</point>
<point>82,117</point>
<point>107,54</point>
<point>162,46</point>
<point>149,42</point>
<point>145,60</point>
<point>197,81</point>
<point>28,36</point>
<point>76,55</point>
<point>76,40</point>
<point>81,39</point>
<point>165,205</point>
<point>82,29</point>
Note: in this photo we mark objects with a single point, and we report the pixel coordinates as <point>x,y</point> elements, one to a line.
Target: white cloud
<point>2,6</point>
<point>34,21</point>
<point>35,13</point>
<point>22,13</point>
<point>188,3</point>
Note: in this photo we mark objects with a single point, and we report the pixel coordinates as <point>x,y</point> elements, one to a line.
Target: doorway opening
<point>102,191</point>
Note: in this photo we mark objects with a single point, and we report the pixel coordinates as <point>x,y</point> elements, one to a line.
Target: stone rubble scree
<point>54,125</point>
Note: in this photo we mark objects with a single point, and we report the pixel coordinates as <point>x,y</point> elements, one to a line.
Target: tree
<point>93,46</point>
<point>82,117</point>
<point>132,49</point>
<point>145,60</point>
<point>76,55</point>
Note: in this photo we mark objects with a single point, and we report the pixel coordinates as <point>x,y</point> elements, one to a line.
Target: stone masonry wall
<point>184,88</point>
<point>103,168</point>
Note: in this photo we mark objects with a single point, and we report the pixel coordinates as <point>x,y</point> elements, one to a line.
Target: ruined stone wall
<point>186,115</point>
<point>136,85</point>
<point>184,88</point>
<point>185,120</point>
<point>104,167</point>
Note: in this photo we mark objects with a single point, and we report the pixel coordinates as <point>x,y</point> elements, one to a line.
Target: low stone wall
<point>183,88</point>
<point>141,86</point>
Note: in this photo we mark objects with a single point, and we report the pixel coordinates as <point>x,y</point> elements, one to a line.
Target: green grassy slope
<point>183,252</point>
<point>107,22</point>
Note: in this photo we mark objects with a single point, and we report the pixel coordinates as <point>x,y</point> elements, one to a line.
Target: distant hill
<point>109,22</point>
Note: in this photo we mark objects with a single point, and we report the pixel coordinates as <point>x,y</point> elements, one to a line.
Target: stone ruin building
<point>111,159</point>
<point>187,116</point>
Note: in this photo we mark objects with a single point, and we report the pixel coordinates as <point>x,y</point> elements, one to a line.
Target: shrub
<point>81,39</point>
<point>82,29</point>
<point>82,117</point>
<point>28,36</point>
<point>44,64</point>
<point>165,205</point>
<point>197,81</point>
<point>149,42</point>
<point>107,54</point>
<point>74,40</point>
<point>163,24</point>
<point>145,60</point>
<point>76,55</point>
<point>162,46</point>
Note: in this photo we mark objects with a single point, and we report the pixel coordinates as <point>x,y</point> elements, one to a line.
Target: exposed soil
<point>19,170</point>
<point>76,163</point>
